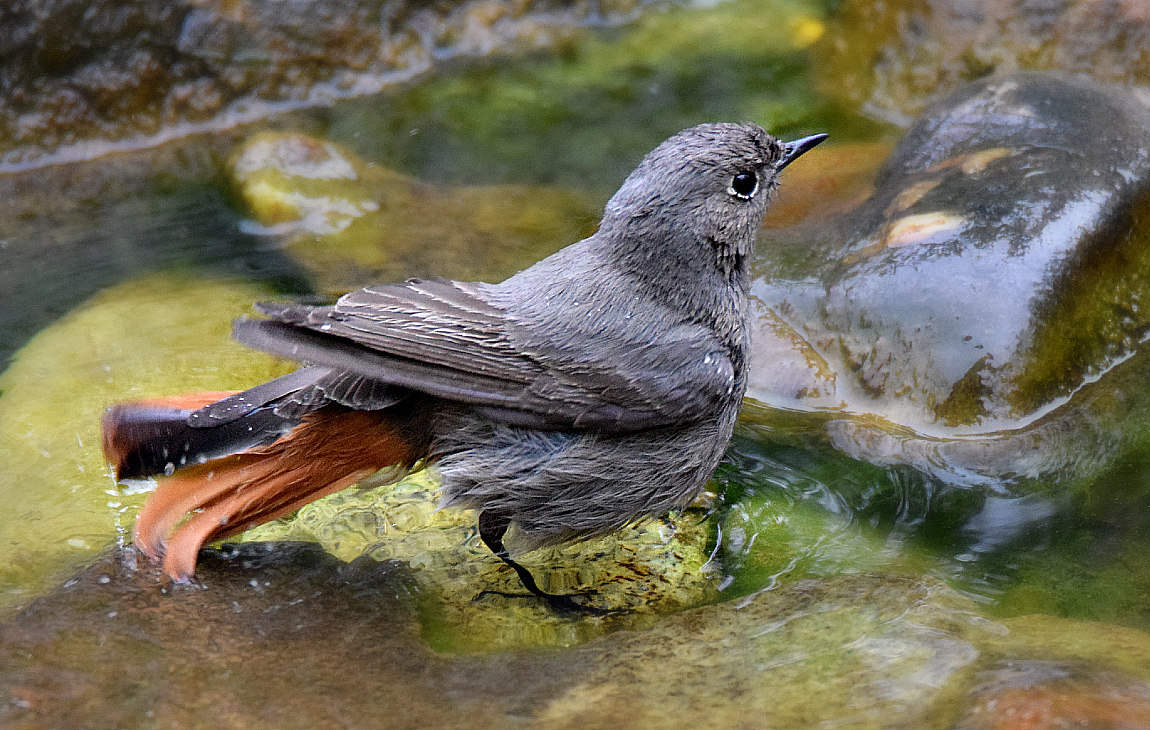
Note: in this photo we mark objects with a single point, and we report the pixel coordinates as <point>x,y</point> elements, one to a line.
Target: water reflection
<point>115,221</point>
<point>1003,518</point>
<point>1004,521</point>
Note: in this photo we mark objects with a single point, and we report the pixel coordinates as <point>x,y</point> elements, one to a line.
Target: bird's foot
<point>561,603</point>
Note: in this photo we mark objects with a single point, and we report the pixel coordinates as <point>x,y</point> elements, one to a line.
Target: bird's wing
<point>446,339</point>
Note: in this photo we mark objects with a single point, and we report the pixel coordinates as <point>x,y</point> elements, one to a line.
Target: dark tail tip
<point>147,438</point>
<point>138,438</point>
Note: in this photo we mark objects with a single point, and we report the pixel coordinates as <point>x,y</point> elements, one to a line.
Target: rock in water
<point>1000,264</point>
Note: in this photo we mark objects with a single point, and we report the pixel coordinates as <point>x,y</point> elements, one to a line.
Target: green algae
<point>352,223</point>
<point>1101,315</point>
<point>162,335</point>
<point>874,650</point>
<point>585,115</point>
<point>1088,573</point>
<point>468,601</point>
<point>1045,637</point>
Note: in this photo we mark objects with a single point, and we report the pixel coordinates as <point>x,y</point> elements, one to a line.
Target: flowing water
<point>120,274</point>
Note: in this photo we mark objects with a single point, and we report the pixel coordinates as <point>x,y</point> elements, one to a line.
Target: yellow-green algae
<point>586,115</point>
<point>875,650</point>
<point>352,224</point>
<point>469,601</point>
<point>1049,638</point>
<point>163,335</point>
<point>1114,588</point>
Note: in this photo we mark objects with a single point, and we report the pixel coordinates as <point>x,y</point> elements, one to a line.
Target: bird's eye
<point>744,185</point>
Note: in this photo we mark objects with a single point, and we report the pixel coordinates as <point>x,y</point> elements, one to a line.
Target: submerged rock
<point>355,224</point>
<point>469,601</point>
<point>116,647</point>
<point>1001,262</point>
<point>68,232</point>
<point>1033,695</point>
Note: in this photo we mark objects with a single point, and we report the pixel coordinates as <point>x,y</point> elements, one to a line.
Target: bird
<point>597,387</point>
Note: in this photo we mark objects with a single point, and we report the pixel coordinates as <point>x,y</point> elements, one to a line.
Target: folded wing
<point>446,339</point>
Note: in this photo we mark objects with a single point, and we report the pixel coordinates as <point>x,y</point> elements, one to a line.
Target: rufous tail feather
<point>329,450</point>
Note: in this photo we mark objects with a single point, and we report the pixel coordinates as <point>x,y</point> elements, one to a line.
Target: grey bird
<point>595,388</point>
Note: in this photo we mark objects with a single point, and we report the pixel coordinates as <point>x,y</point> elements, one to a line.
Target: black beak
<point>793,150</point>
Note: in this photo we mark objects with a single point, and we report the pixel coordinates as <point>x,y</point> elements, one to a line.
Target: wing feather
<point>444,338</point>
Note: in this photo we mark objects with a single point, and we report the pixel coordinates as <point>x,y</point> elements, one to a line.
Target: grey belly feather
<point>564,486</point>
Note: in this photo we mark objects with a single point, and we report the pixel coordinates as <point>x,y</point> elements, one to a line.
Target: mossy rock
<point>469,601</point>
<point>64,506</point>
<point>353,224</point>
<point>890,60</point>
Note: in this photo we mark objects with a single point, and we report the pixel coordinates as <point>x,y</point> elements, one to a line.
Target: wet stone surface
<point>234,649</point>
<point>142,69</point>
<point>265,618</point>
<point>352,224</point>
<point>1033,694</point>
<point>999,265</point>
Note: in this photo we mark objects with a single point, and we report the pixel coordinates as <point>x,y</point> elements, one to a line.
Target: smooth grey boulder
<point>1001,264</point>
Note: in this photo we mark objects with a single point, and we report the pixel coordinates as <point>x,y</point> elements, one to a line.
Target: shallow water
<point>119,277</point>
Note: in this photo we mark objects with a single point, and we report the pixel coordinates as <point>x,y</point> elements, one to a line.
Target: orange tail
<point>329,450</point>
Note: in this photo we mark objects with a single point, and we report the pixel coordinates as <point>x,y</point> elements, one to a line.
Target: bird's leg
<point>492,527</point>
